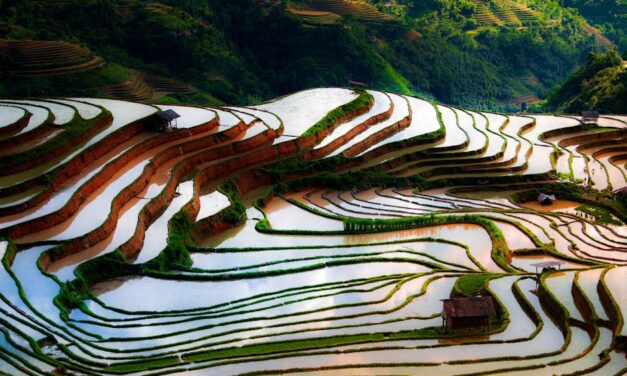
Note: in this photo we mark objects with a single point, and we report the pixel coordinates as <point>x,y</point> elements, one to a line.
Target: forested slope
<point>599,85</point>
<point>472,53</point>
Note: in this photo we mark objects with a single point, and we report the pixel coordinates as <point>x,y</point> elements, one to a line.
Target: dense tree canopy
<point>242,52</point>
<point>599,85</point>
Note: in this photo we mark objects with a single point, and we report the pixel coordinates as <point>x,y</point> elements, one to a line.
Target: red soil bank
<point>305,144</point>
<point>78,163</point>
<point>154,208</point>
<point>158,204</point>
<point>616,150</point>
<point>309,142</point>
<point>379,136</point>
<point>38,133</point>
<point>60,176</point>
<point>251,180</point>
<point>67,147</point>
<point>359,128</point>
<point>378,152</point>
<point>124,134</point>
<point>588,138</point>
<point>17,126</point>
<point>584,308</point>
<point>102,178</point>
<point>215,224</point>
<point>619,158</point>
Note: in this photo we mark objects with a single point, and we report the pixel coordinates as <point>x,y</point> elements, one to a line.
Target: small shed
<point>547,266</point>
<point>589,117</point>
<point>544,199</point>
<point>620,191</point>
<point>468,312</point>
<point>163,121</point>
<point>169,117</point>
<point>357,84</point>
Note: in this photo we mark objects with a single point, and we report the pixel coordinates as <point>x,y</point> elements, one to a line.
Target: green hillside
<point>608,15</point>
<point>213,51</point>
<point>599,85</point>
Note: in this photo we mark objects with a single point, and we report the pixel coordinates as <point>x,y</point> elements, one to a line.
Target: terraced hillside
<point>213,52</point>
<point>505,12</point>
<point>35,58</point>
<point>32,60</point>
<point>316,233</point>
<point>314,17</point>
<point>323,11</point>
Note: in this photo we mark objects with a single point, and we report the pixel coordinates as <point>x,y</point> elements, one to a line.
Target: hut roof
<point>543,197</point>
<point>590,115</point>
<point>547,264</point>
<point>168,115</point>
<point>621,191</point>
<point>357,83</point>
<point>476,306</point>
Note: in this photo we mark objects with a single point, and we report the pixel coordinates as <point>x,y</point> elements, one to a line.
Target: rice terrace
<point>313,187</point>
<point>319,232</point>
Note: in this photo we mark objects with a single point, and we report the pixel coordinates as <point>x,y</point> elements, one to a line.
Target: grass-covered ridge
<point>364,100</point>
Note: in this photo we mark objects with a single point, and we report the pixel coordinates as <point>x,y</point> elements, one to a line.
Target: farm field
<point>505,12</point>
<point>317,233</point>
<point>323,12</point>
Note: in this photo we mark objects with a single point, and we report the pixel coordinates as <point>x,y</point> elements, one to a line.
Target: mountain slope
<point>608,15</point>
<point>599,85</point>
<point>247,51</point>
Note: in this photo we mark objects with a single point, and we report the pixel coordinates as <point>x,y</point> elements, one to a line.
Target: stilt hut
<point>547,266</point>
<point>589,117</point>
<point>544,199</point>
<point>163,121</point>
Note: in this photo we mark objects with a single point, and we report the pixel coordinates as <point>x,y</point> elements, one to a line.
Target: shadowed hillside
<point>482,54</point>
<point>599,85</point>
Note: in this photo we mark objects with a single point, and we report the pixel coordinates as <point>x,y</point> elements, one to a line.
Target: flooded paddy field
<point>328,231</point>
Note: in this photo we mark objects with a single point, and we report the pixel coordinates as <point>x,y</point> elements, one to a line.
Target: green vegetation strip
<point>71,132</point>
<point>363,100</point>
<point>500,251</point>
<point>471,284</point>
<point>280,347</point>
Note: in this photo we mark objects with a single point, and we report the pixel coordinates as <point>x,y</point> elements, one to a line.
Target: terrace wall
<point>83,193</point>
<point>588,138</point>
<point>359,128</point>
<point>49,155</point>
<point>154,208</point>
<point>379,136</point>
<point>17,126</point>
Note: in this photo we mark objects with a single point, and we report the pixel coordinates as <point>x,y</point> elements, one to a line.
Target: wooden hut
<point>544,199</point>
<point>469,312</point>
<point>163,121</point>
<point>589,117</point>
<point>547,266</point>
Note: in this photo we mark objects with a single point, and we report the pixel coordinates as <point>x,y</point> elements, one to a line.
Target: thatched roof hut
<point>468,312</point>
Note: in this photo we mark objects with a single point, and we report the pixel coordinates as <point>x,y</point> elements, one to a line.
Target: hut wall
<point>466,322</point>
